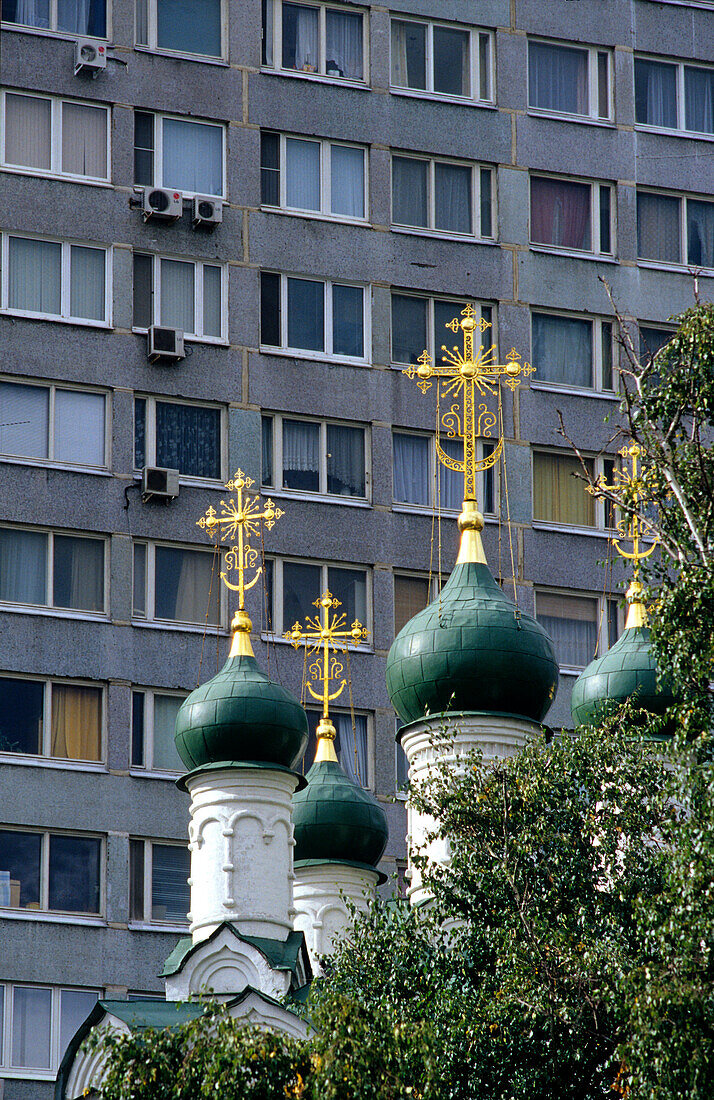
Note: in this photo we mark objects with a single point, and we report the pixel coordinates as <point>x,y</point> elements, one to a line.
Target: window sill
<point>571,529</point>
<point>55,612</point>
<point>317,78</point>
<point>666,131</point>
<point>313,356</point>
<point>436,97</point>
<point>315,216</point>
<point>38,463</point>
<point>570,671</point>
<point>146,773</point>
<point>277,639</point>
<point>675,269</point>
<point>45,32</point>
<point>561,116</point>
<point>448,513</point>
<point>189,482</point>
<point>202,59</point>
<point>316,498</point>
<point>25,761</point>
<point>52,918</point>
<point>576,391</point>
<point>87,181</point>
<point>158,926</point>
<point>182,628</point>
<point>573,253</point>
<point>189,338</point>
<point>79,321</point>
<point>435,234</point>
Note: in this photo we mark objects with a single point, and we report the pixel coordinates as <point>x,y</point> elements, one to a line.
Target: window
<point>443,60</point>
<point>580,626</point>
<point>56,280</point>
<point>312,456</point>
<point>572,351</point>
<point>181,437</point>
<point>158,886</point>
<point>184,294</point>
<point>442,196</point>
<point>670,95</point>
<point>292,586</point>
<point>57,137</point>
<point>178,26</point>
<point>177,585</point>
<point>179,153</point>
<point>569,81</point>
<point>351,745</point>
<point>412,594</point>
<point>559,493</point>
<point>652,339</point>
<point>572,214</point>
<point>47,569</point>
<point>414,473</point>
<point>675,229</point>
<point>51,872</point>
<point>53,424</point>
<point>314,39</point>
<point>321,177</point>
<point>37,1023</point>
<point>420,322</point>
<point>76,17</point>
<point>401,765</point>
<point>153,721</point>
<point>50,718</point>
<point>309,315</point>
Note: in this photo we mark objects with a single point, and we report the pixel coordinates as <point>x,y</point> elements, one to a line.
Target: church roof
<point>336,821</point>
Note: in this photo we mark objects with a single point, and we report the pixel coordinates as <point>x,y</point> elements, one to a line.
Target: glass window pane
<point>451,482</point>
<point>23,566</point>
<point>348,320</point>
<point>84,17</point>
<point>562,350</point>
<point>302,174</point>
<point>408,328</point>
<point>74,874</point>
<point>452,198</point>
<point>658,228</point>
<point>76,722</point>
<point>28,15</point>
<point>699,100</point>
<point>411,594</point>
<point>178,295</point>
<point>143,290</point>
<point>192,156</point>
<point>345,461</point>
<point>560,213</point>
<point>212,301</point>
<point>24,420</point>
<point>75,1006</point>
<point>21,713</point>
<point>655,93</point>
<point>484,66</point>
<point>165,757</point>
<point>486,203</point>
<point>603,86</point>
<point>184,579</point>
<point>87,270</point>
<point>79,573</point>
<point>700,233</point>
<point>79,427</point>
<point>302,584</point>
<point>266,439</point>
<point>136,880</point>
<point>27,131</point>
<point>411,468</point>
<point>451,61</point>
<point>170,893</point>
<point>301,455</point>
<point>144,148</point>
<point>140,579</point>
<point>652,340</point>
<point>605,217</point>
<point>347,182</point>
<point>137,728</point>
<point>31,1014</point>
<point>350,587</point>
<point>270,309</point>
<point>444,313</point>
<point>409,191</point>
<point>351,746</point>
<point>343,45</point>
<point>20,855</point>
<point>34,273</point>
<point>84,140</point>
<point>557,78</point>
<point>189,26</point>
<point>571,622</point>
<point>306,314</point>
<point>559,494</point>
<point>270,169</point>
<point>188,439</point>
<point>300,38</point>
<point>408,54</point>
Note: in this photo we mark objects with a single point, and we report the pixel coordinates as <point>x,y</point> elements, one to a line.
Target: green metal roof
<point>337,821</point>
<point>627,671</point>
<point>280,954</point>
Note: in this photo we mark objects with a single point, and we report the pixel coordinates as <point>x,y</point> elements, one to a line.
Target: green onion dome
<point>471,649</point>
<point>241,715</point>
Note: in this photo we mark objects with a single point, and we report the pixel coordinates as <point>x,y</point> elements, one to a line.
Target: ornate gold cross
<point>240,519</point>
<point>325,634</point>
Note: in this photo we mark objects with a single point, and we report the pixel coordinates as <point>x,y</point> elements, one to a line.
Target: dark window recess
<point>486,218</point>
<point>21,708</point>
<point>270,169</point>
<point>74,874</point>
<point>136,880</point>
<point>143,148</point>
<point>267,450</point>
<point>270,309</point>
<point>605,242</point>
<point>20,857</point>
<point>140,432</point>
<point>143,290</point>
<point>137,728</point>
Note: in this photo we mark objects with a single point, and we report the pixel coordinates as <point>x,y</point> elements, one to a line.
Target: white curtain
<point>658,228</point>
<point>409,328</point>
<point>84,140</point>
<point>351,747</point>
<point>24,420</point>
<point>409,191</point>
<point>408,54</point>
<point>451,482</point>
<point>411,468</point>
<point>452,198</point>
<point>142,22</point>
<point>302,169</point>
<point>75,1006</point>
<point>73,16</point>
<point>451,61</point>
<point>192,156</point>
<point>23,566</point>
<point>558,78</point>
<point>345,460</point>
<point>343,49</point>
<point>300,38</point>
<point>27,131</point>
<point>31,1012</point>
<point>699,100</point>
<point>656,93</point>
<point>301,455</point>
<point>78,573</point>
<point>165,756</point>
<point>79,427</point>
<point>33,13</point>
<point>700,233</point>
<point>35,270</point>
<point>562,350</point>
<point>177,295</point>
<point>348,320</point>
<point>571,622</point>
<point>211,301</point>
<point>183,580</point>
<point>87,271</point>
<point>347,181</point>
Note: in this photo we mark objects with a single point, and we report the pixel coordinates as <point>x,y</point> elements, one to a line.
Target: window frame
<point>602,621</point>
<point>484,310</point>
<point>49,608</point>
<point>278,628</point>
<point>326,145</point>
<point>592,115</point>
<point>328,330</point>
<point>65,316</point>
<point>596,321</point>
<point>45,757</point>
<point>151,46</point>
<point>430,230</point>
<point>199,266</point>
<point>434,467</point>
<point>683,198</point>
<point>680,129</point>
<point>158,151</point>
<point>147,769</point>
<point>359,712</point>
<point>33,1073</point>
<point>151,401</point>
<point>146,922</point>
<point>53,32</point>
<point>599,529</point>
<point>474,33</point>
<point>149,619</point>
<point>277,489</point>
<point>55,150</point>
<point>58,463</point>
<point>43,910</point>
<point>276,46</point>
<point>596,186</point>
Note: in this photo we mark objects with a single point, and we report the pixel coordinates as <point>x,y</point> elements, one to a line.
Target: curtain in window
<point>266,451</point>
<point>165,756</point>
<point>192,156</point>
<point>84,140</point>
<point>188,439</point>
<point>78,573</point>
<point>451,482</point>
<point>306,314</point>
<point>409,191</point>
<point>23,566</point>
<point>27,131</point>
<point>560,213</point>
<point>408,54</point>
<point>76,722</point>
<point>563,350</point>
<point>302,168</point>
<point>452,198</point>
<point>212,309</point>
<point>351,746</point>
<point>80,16</point>
<point>345,461</point>
<point>35,271</point>
<point>700,233</point>
<point>350,587</point>
<point>31,1014</point>
<point>558,78</point>
<point>141,21</point>
<point>559,496</point>
<point>343,45</point>
<point>451,61</point>
<point>409,328</point>
<point>170,894</point>
<point>178,295</point>
<point>301,455</point>
<point>24,420</point>
<point>658,228</point>
<point>74,874</point>
<point>411,594</point>
<point>655,93</point>
<point>189,27</point>
<point>79,427</point>
<point>699,100</point>
<point>571,622</point>
<point>75,1006</point>
<point>184,579</point>
<point>347,181</point>
<point>301,585</point>
<point>300,38</point>
<point>411,468</point>
<point>33,13</point>
<point>348,320</point>
<point>87,296</point>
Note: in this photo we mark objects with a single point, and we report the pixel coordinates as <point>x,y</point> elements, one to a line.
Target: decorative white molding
<point>226,965</point>
<point>321,912</point>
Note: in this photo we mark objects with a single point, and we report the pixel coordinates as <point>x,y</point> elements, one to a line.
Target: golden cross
<point>325,632</point>
<point>240,519</point>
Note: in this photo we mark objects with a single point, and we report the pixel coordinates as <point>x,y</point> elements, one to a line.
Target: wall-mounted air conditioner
<point>207,212</point>
<point>90,57</point>
<point>159,482</point>
<point>161,203</point>
<point>164,345</point>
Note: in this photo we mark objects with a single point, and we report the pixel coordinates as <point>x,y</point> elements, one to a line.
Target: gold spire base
<point>326,734</point>
<point>241,627</point>
<point>470,526</point>
<point>636,612</point>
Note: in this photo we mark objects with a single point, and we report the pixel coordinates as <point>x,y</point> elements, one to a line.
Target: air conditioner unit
<point>207,212</point>
<point>89,57</point>
<point>164,345</point>
<point>158,482</point>
<point>162,203</point>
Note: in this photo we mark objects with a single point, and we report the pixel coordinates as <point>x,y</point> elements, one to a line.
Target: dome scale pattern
<point>627,671</point>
